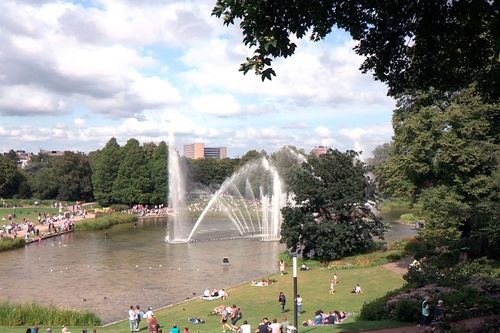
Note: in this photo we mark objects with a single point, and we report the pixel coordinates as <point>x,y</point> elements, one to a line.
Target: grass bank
<point>36,314</point>
<point>257,302</point>
<point>8,243</point>
<point>104,221</point>
<point>30,213</point>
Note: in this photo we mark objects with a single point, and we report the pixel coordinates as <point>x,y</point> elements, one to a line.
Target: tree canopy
<point>332,216</point>
<point>408,44</point>
<point>445,152</point>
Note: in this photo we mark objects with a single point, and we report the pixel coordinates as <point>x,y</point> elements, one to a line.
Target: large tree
<point>332,215</point>
<point>445,148</point>
<point>8,172</point>
<point>409,44</point>
<point>133,184</point>
<point>74,176</point>
<point>105,164</point>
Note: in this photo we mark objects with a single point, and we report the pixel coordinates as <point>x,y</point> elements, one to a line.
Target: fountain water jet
<point>179,224</point>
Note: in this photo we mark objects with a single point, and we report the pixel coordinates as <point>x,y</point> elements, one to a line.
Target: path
<point>400,266</point>
<point>459,326</point>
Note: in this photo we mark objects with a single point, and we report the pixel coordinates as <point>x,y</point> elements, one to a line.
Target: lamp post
<point>295,314</point>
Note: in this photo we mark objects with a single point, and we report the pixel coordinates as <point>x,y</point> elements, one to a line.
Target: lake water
<point>85,270</point>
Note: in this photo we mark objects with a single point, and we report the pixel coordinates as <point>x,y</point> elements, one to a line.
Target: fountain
<point>179,226</point>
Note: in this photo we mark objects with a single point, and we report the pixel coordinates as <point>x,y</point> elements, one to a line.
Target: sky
<point>73,74</point>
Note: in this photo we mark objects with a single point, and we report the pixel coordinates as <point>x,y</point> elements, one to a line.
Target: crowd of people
<point>145,210</point>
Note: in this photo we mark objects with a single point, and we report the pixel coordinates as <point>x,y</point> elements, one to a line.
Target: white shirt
<point>275,328</point>
<point>299,300</point>
<point>148,314</point>
<point>131,314</point>
<point>245,328</point>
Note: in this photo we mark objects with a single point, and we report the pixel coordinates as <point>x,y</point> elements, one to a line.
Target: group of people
<point>144,210</point>
<point>433,315</point>
<point>267,326</point>
<point>229,317</point>
<point>323,318</point>
<point>136,315</point>
<point>214,293</point>
<point>282,302</point>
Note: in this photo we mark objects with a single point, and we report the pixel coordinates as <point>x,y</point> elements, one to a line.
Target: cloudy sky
<point>75,73</point>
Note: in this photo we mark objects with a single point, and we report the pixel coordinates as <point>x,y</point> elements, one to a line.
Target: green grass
<point>32,314</point>
<point>30,213</point>
<point>8,243</point>
<point>257,302</point>
<point>395,208</point>
<point>105,221</point>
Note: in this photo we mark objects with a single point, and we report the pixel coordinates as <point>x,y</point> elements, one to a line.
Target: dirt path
<point>399,267</point>
<point>459,326</point>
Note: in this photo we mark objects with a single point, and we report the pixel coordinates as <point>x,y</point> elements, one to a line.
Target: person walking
<point>282,267</point>
<point>282,301</point>
<point>299,304</point>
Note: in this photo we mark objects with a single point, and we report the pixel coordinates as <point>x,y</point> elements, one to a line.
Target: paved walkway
<point>459,326</point>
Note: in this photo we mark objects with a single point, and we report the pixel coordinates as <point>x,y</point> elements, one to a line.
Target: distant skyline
<point>73,74</point>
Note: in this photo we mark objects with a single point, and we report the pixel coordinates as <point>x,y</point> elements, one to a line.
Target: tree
<point>408,44</point>
<point>133,183</point>
<point>105,165</point>
<point>73,176</point>
<point>331,217</point>
<point>159,173</point>
<point>444,148</point>
<point>288,161</point>
<point>8,172</point>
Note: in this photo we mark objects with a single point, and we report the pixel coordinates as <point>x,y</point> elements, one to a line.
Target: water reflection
<point>87,271</point>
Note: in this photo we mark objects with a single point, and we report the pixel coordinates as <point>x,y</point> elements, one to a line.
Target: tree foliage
<point>8,171</point>
<point>331,217</point>
<point>408,44</point>
<point>104,171</point>
<point>444,149</point>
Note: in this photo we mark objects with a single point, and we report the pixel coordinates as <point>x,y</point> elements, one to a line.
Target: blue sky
<point>74,74</point>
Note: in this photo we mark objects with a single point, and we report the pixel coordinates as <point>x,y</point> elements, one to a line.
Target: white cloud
<point>218,105</point>
<point>28,101</point>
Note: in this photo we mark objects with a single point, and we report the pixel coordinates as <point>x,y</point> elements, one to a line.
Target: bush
<point>105,221</point>
<point>8,243</point>
<point>407,310</point>
<point>36,314</point>
<point>374,310</point>
<point>119,207</point>
<point>408,218</point>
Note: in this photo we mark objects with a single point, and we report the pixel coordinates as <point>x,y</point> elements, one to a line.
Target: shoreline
<point>192,299</point>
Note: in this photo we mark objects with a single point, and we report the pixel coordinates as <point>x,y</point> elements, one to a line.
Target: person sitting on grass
<point>357,289</point>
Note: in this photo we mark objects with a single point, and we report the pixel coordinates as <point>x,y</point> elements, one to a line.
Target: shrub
<point>8,243</point>
<point>36,314</point>
<point>407,310</point>
<point>119,207</point>
<point>374,310</point>
<point>408,218</point>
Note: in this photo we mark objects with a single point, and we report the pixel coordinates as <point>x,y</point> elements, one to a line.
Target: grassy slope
<point>257,302</point>
<point>31,213</point>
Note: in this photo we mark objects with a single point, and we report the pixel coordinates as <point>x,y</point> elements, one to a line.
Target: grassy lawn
<point>31,213</point>
<point>258,302</point>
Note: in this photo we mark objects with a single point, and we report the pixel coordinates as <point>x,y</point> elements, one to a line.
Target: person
<point>305,267</point>
<point>318,318</point>
<point>153,325</point>
<point>186,330</point>
<point>149,313</point>
<point>131,318</point>
<point>299,304</point>
<point>282,267</point>
<point>65,329</point>
<point>223,320</point>
<point>284,324</point>
<point>426,314</point>
<point>222,293</point>
<point>206,293</point>
<point>174,329</point>
<point>282,301</point>
<point>335,278</point>
<point>332,287</point>
<point>440,320</point>
<point>275,326</point>
<point>263,326</point>
<point>357,289</point>
<point>235,315</point>
<point>245,328</point>
<point>138,316</point>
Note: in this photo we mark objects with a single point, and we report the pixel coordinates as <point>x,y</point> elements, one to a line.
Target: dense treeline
<point>115,174</point>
